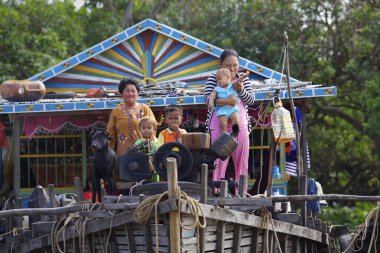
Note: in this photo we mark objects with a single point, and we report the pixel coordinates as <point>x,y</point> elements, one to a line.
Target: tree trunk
<point>127,15</point>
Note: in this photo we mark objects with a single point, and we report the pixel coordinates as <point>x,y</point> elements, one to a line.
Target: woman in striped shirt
<point>229,59</point>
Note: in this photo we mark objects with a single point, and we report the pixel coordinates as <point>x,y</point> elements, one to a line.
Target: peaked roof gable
<point>150,52</point>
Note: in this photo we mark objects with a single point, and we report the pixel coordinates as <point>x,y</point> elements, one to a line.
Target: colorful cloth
<point>168,135</point>
<point>55,123</point>
<point>123,127</point>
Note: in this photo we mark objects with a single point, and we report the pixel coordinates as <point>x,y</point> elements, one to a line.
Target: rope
<point>82,227</point>
<point>112,215</point>
<point>144,210</point>
<point>79,224</point>
<point>135,185</point>
<point>266,215</point>
<point>357,242</point>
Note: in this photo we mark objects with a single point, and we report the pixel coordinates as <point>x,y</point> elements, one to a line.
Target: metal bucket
<point>224,146</point>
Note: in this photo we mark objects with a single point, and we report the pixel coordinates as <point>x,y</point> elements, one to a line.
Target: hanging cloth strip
<point>54,123</point>
<point>291,152</point>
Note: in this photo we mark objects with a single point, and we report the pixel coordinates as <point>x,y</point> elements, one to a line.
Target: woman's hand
<point>238,83</point>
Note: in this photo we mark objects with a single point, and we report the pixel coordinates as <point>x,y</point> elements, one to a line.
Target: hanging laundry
<point>313,206</point>
<point>3,135</point>
<point>291,152</point>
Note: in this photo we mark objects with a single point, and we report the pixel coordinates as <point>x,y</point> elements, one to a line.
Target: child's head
<point>173,115</point>
<point>148,127</point>
<point>223,77</point>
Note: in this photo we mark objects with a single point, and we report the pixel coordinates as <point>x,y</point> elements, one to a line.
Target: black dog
<point>104,163</point>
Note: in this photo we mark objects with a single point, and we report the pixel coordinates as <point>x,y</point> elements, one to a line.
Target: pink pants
<point>241,154</point>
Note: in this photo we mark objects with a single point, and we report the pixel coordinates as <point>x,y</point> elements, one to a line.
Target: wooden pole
<point>336,197</point>
<point>221,227</point>
<point>175,242</point>
<point>40,211</point>
<point>78,188</point>
<point>17,124</point>
<point>238,230</point>
<point>272,151</point>
<point>303,178</point>
<point>204,190</point>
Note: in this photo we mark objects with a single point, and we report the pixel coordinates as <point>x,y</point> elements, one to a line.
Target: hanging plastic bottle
<point>276,172</point>
<point>155,177</point>
<point>281,123</point>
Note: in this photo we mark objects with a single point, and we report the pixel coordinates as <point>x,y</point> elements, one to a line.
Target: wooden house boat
<point>49,135</point>
<point>50,138</point>
<point>181,223</point>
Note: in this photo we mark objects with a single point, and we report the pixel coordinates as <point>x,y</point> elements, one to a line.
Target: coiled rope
<point>145,209</point>
<point>266,217</point>
<point>357,242</point>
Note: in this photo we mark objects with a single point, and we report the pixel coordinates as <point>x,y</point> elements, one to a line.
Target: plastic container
<point>22,90</point>
<point>281,123</point>
<point>276,172</point>
<point>155,177</point>
<point>224,146</point>
<point>277,205</point>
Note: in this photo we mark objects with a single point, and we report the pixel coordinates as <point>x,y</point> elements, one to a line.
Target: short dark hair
<point>173,108</point>
<point>128,81</point>
<point>226,53</point>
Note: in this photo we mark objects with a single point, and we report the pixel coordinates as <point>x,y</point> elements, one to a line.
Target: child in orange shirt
<point>173,118</point>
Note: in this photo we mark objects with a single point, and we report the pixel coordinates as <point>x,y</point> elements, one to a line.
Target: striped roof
<point>150,52</point>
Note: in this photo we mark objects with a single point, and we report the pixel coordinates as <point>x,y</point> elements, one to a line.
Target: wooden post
<point>84,158</point>
<point>17,124</point>
<point>239,228</point>
<point>242,186</point>
<point>204,187</point>
<point>303,178</point>
<point>78,188</point>
<point>147,233</point>
<point>204,179</point>
<point>272,152</point>
<point>175,242</point>
<point>52,198</point>
<point>51,193</point>
<point>42,201</point>
<point>221,232</point>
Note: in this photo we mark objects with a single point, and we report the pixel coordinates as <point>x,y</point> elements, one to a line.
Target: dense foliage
<point>331,42</point>
<point>352,217</point>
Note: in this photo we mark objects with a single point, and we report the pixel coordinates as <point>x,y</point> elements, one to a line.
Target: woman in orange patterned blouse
<point>123,124</point>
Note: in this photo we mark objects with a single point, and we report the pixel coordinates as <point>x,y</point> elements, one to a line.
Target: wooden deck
<point>227,230</point>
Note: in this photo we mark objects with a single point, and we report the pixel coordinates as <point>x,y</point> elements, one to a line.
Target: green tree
<point>343,131</point>
<point>36,35</point>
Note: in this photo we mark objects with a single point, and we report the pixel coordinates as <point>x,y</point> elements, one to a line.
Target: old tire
<point>344,242</point>
<point>190,188</point>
